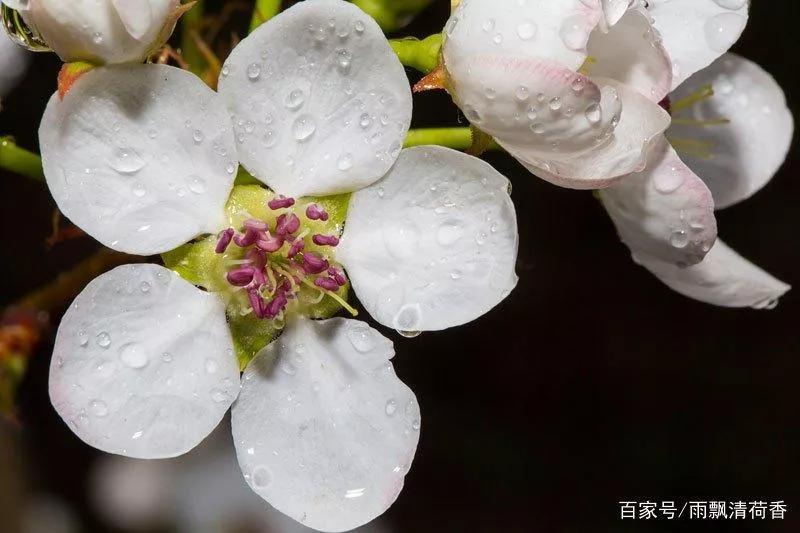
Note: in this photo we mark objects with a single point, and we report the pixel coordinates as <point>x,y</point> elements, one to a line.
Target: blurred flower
<point>142,158</point>
<point>100,31</point>
<point>13,63</point>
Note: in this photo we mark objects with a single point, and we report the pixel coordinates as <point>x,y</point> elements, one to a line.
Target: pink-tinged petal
<point>324,430</point>
<point>143,363</point>
<point>642,121</point>
<point>554,30</point>
<point>743,155</point>
<point>632,54</point>
<point>724,278</point>
<point>665,212</point>
<point>696,32</point>
<point>614,10</point>
<point>540,105</point>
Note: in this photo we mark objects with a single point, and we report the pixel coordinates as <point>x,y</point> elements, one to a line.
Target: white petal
<point>549,110</point>
<point>434,244</point>
<point>101,31</point>
<point>141,157</point>
<point>143,363</point>
<point>666,211</point>
<point>724,278</point>
<point>696,32</point>
<point>320,103</point>
<point>632,54</point>
<point>614,10</point>
<point>748,151</point>
<point>642,121</point>
<point>136,15</point>
<point>13,63</point>
<point>555,31</point>
<point>324,430</point>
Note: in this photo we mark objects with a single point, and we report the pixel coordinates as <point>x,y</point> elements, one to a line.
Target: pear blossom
<point>143,158</point>
<point>100,31</point>
<point>735,157</point>
<point>570,88</point>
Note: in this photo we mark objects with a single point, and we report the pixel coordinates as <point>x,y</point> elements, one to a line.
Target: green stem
<point>420,55</point>
<point>392,14</point>
<point>455,138</point>
<point>264,10</point>
<point>19,160</point>
<point>191,23</point>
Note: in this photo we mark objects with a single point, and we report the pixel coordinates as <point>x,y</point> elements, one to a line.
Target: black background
<point>592,383</point>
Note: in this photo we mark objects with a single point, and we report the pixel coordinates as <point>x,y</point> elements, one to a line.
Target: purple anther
<point>257,225</point>
<point>241,276</point>
<point>224,240</point>
<point>257,303</point>
<point>325,240</point>
<point>269,243</point>
<point>327,284</point>
<point>257,258</point>
<point>313,263</point>
<point>276,305</point>
<point>243,241</point>
<point>259,279</point>
<point>296,248</point>
<point>314,212</point>
<point>337,274</point>
<point>287,224</point>
<point>280,202</point>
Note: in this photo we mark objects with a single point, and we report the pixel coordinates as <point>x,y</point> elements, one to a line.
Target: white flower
<point>661,214</point>
<point>143,158</point>
<point>515,74</point>
<point>100,31</point>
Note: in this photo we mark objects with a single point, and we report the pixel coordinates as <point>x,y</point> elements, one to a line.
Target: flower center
<point>275,264</point>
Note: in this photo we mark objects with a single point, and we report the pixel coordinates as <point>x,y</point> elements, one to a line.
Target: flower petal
<point>614,10</point>
<point>666,211</point>
<point>555,31</point>
<point>549,110</point>
<point>115,31</point>
<point>143,363</point>
<point>320,103</point>
<point>632,54</point>
<point>141,157</point>
<point>724,278</point>
<point>434,244</point>
<point>625,152</point>
<point>324,430</point>
<point>696,32</point>
<point>748,151</point>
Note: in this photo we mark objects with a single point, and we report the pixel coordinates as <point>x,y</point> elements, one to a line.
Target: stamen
<point>314,264</point>
<point>249,238</point>
<point>337,275</point>
<point>255,225</point>
<point>297,246</point>
<point>241,276</point>
<point>314,212</point>
<point>257,303</point>
<point>224,240</point>
<point>695,147</point>
<point>280,202</point>
<point>703,93</point>
<point>257,258</point>
<point>327,283</point>
<point>701,123</point>
<point>287,225</point>
<point>325,240</point>
<point>270,243</point>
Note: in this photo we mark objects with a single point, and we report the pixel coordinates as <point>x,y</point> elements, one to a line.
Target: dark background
<point>592,383</point>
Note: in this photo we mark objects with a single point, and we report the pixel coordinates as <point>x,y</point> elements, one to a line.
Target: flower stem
<point>19,160</point>
<point>420,55</point>
<point>264,10</point>
<point>392,14</point>
<point>455,138</point>
<point>191,24</point>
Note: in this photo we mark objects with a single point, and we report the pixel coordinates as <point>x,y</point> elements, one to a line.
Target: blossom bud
<point>100,31</point>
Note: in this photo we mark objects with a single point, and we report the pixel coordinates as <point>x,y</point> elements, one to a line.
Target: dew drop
<point>449,233</point>
<point>197,184</point>
<point>99,408</point>
<point>593,113</point>
<point>304,127</point>
<point>218,395</point>
<point>133,356</point>
<point>345,161</point>
<point>261,477</point>
<point>253,71</point>
<point>391,407</point>
<point>679,239</point>
<point>361,337</point>
<point>526,30</point>
<point>211,366</point>
<point>126,161</point>
<point>295,99</point>
<point>103,339</point>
